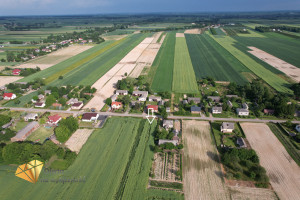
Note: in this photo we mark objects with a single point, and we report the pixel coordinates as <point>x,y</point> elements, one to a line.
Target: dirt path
<point>282,170</point>
<point>290,70</point>
<point>201,171</point>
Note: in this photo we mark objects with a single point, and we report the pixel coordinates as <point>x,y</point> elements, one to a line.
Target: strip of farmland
<point>108,156</point>
<point>211,59</point>
<point>184,79</point>
<point>283,171</point>
<point>200,169</point>
<point>272,79</point>
<point>164,62</point>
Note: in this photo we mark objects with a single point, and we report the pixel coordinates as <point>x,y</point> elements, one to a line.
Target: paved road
<point>144,115</point>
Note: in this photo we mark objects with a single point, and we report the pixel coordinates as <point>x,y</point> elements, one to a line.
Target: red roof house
<point>53,120</point>
<point>9,96</point>
<point>16,72</point>
<point>153,107</point>
<point>116,105</point>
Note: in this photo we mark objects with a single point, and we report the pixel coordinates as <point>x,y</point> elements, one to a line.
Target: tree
<point>50,100</point>
<point>126,100</point>
<point>60,77</point>
<point>108,101</point>
<point>17,101</point>
<point>62,133</point>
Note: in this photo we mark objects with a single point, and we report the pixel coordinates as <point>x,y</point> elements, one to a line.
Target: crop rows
<point>211,59</point>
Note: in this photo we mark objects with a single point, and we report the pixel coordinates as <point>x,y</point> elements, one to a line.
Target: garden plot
<point>106,85</point>
<point>193,31</point>
<point>290,70</point>
<point>179,34</point>
<point>241,193</point>
<point>282,170</point>
<point>201,170</point>
<point>78,139</point>
<point>8,79</point>
<point>55,57</point>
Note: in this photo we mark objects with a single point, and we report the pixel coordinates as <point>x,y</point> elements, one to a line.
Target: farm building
<point>269,111</point>
<point>141,94</point>
<point>154,98</point>
<point>241,142</point>
<point>229,104</point>
<point>114,97</point>
<point>16,72</point>
<point>116,105</point>
<point>47,92</point>
<point>227,127</point>
<point>214,98</point>
<point>232,96</point>
<point>9,96</point>
<point>30,116</point>
<point>167,124</point>
<point>25,132</point>
<point>175,142</point>
<point>242,112</point>
<point>245,106</point>
<point>121,92</point>
<point>89,117</point>
<point>194,99</point>
<point>53,120</point>
<point>216,110</point>
<point>40,105</point>
<point>153,107</point>
<point>72,101</point>
<point>298,128</point>
<point>195,109</point>
<point>77,106</point>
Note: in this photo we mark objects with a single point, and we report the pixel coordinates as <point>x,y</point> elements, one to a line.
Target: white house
<point>30,116</point>
<point>116,105</point>
<point>9,96</point>
<point>154,98</point>
<point>216,110</point>
<point>121,92</point>
<point>242,112</point>
<point>167,124</point>
<point>77,106</point>
<point>88,117</point>
<point>227,127</point>
<point>40,105</point>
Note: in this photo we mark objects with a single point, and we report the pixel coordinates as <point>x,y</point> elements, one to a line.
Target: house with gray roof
<point>214,98</point>
<point>25,132</point>
<point>154,98</point>
<point>30,116</point>
<point>241,142</point>
<point>167,124</point>
<point>121,92</point>
<point>161,141</point>
<point>242,112</point>
<point>216,110</point>
<point>227,127</point>
<point>195,109</point>
<point>194,99</point>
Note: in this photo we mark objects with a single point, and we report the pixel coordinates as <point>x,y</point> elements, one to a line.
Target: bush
<point>4,119</point>
<point>8,134</point>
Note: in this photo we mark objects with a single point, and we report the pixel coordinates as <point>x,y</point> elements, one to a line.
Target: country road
<point>144,115</point>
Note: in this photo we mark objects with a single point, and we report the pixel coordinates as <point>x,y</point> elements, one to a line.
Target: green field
<point>211,59</point>
<point>272,79</point>
<point>164,63</point>
<point>184,80</point>
<point>115,162</point>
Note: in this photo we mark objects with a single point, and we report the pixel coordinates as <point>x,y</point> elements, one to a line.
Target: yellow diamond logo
<point>30,171</point>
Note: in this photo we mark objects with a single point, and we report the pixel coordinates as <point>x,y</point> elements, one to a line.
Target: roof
<point>39,104</point>
<point>195,99</point>
<point>121,91</point>
<point>168,122</point>
<point>154,97</point>
<point>56,104</point>
<point>161,141</point>
<point>47,91</point>
<point>31,115</point>
<point>232,95</point>
<point>26,129</point>
<point>16,70</point>
<point>269,111</point>
<point>227,125</point>
<point>77,104</point>
<point>214,98</point>
<point>154,107</point>
<point>116,103</point>
<point>217,109</point>
<point>242,110</point>
<point>195,108</point>
<point>240,141</point>
<point>89,116</point>
<point>245,106</point>
<point>8,95</point>
<point>54,118</point>
<point>140,92</point>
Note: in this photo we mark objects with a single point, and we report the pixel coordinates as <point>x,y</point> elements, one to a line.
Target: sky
<point>67,7</point>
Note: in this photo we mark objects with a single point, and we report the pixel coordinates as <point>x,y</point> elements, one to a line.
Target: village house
<point>229,104</point>
<point>161,141</point>
<point>53,120</point>
<point>141,94</point>
<point>121,92</point>
<point>16,72</point>
<point>242,112</point>
<point>154,98</point>
<point>89,117</point>
<point>30,116</point>
<point>40,105</point>
<point>41,97</point>
<point>195,109</point>
<point>214,98</point>
<point>77,106</point>
<point>216,110</point>
<point>298,128</point>
<point>25,132</point>
<point>152,107</point>
<point>269,111</point>
<point>114,97</point>
<point>227,127</point>
<point>232,96</point>
<point>47,92</point>
<point>9,96</point>
<point>72,101</point>
<point>241,142</point>
<point>194,99</point>
<point>116,105</point>
<point>168,109</point>
<point>245,106</point>
<point>168,124</point>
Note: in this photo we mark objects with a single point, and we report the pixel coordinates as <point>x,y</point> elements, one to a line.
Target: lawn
<point>184,79</point>
<point>164,62</point>
<point>269,77</point>
<point>211,59</point>
<point>115,164</point>
<point>41,134</point>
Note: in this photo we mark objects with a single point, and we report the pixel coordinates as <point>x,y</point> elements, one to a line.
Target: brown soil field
<point>78,139</point>
<point>55,57</point>
<point>242,193</point>
<point>179,34</point>
<point>114,37</point>
<point>282,170</point>
<point>290,70</point>
<point>193,31</point>
<point>201,169</point>
<point>8,79</point>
